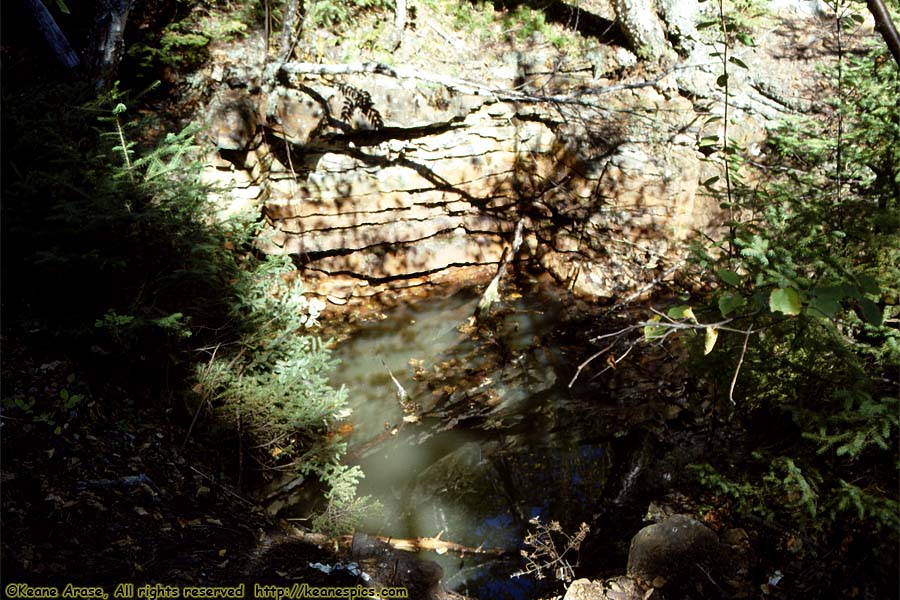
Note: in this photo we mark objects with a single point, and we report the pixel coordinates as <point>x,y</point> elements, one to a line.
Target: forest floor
<point>101,487</point>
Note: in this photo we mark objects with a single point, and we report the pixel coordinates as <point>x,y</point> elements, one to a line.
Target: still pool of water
<point>501,438</point>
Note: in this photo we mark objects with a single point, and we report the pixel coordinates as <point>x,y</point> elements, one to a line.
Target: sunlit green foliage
<point>809,270</point>
<point>345,510</point>
<point>520,23</point>
<point>185,41</point>
<point>333,13</point>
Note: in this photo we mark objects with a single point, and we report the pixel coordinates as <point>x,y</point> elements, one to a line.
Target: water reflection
<point>500,441</point>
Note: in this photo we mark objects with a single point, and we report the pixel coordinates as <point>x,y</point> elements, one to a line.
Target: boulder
<point>678,549</point>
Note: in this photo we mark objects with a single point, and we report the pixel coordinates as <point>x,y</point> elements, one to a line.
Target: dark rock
<point>679,548</point>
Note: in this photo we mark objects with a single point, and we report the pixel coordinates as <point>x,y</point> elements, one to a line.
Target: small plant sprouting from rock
<point>550,548</point>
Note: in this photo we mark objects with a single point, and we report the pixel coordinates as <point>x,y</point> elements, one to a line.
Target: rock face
<point>373,180</point>
<point>680,556</point>
<point>438,187</point>
<point>675,549</point>
<point>233,121</point>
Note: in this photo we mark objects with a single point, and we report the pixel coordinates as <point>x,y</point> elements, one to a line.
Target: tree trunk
<point>399,25</point>
<point>642,27</point>
<point>111,19</point>
<point>885,27</point>
<point>57,41</point>
<point>288,28</point>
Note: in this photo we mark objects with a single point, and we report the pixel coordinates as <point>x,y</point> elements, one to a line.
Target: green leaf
<point>712,334</point>
<point>870,312</point>
<point>868,284</point>
<point>62,7</point>
<point>680,312</point>
<point>785,300</point>
<point>729,277</point>
<point>722,80</point>
<point>728,303</point>
<point>708,183</point>
<point>826,301</point>
<point>706,24</point>
<point>745,39</point>
<point>735,60</point>
<point>651,331</point>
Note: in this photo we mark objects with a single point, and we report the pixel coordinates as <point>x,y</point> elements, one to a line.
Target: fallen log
<point>433,544</point>
<point>439,546</point>
<point>462,86</point>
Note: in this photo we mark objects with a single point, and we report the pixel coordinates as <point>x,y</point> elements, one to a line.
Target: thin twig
<point>670,328</point>
<point>589,360</point>
<point>616,361</point>
<point>615,333</point>
<point>740,362</point>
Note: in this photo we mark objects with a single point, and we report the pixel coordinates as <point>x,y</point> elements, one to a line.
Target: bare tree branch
<point>452,83</point>
<point>669,328</point>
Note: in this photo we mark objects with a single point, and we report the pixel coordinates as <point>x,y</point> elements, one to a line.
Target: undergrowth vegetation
<point>800,336</point>
<point>112,255</point>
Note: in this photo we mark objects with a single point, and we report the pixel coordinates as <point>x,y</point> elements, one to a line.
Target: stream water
<point>500,439</point>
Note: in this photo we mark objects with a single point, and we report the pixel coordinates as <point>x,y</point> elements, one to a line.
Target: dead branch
<point>737,369</point>
<point>434,544</point>
<point>399,25</point>
<point>885,26</point>
<point>437,545</point>
<point>662,330</point>
<point>452,83</point>
<point>289,34</point>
